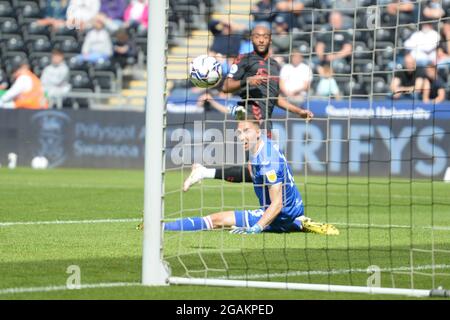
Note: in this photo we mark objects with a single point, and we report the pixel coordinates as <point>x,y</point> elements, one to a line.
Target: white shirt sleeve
<point>83,10</point>
<point>310,73</point>
<point>284,72</point>
<point>22,84</point>
<point>411,42</point>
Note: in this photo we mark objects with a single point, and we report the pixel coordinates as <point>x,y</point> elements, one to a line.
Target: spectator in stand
<point>124,48</point>
<point>26,92</point>
<point>207,102</point>
<point>334,45</point>
<point>55,77</point>
<point>432,10</point>
<point>111,12</point>
<point>295,78</point>
<point>81,13</point>
<point>347,8</point>
<point>136,14</point>
<point>445,36</point>
<point>327,86</point>
<point>281,40</point>
<point>422,44</point>
<point>405,9</point>
<point>407,83</point>
<point>442,58</point>
<point>263,12</point>
<point>226,41</point>
<point>97,44</point>
<point>55,14</point>
<point>290,10</point>
<point>433,87</point>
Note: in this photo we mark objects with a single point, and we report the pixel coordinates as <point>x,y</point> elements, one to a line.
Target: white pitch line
<point>332,272</point>
<point>387,226</point>
<point>355,225</point>
<point>32,223</point>
<point>62,288</point>
<point>242,277</point>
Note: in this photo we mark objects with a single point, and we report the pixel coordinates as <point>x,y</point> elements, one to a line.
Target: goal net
<point>371,162</point>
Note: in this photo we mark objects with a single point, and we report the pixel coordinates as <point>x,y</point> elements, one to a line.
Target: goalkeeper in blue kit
<point>281,203</point>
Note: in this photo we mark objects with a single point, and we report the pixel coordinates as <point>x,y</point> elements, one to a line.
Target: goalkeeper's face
<point>249,134</point>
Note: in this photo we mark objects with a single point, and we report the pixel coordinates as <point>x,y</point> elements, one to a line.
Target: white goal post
<point>155,271</point>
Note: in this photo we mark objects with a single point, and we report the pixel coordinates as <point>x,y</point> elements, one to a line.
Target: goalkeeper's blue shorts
<point>282,223</point>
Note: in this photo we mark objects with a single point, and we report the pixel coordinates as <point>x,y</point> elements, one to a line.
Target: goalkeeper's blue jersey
<point>269,167</point>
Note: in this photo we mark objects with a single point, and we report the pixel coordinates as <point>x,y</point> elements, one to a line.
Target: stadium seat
<point>41,44</point>
<point>365,36</point>
<point>141,44</point>
<point>366,3</point>
<point>301,36</point>
<point>342,81</point>
<point>303,47</point>
<point>13,60</point>
<point>68,45</point>
<point>3,78</point>
<point>352,88</point>
<point>14,43</point>
<point>105,65</point>
<point>385,58</point>
<point>64,32</point>
<point>8,27</point>
<point>81,81</point>
<point>42,61</point>
<point>75,65</point>
<point>104,81</point>
<point>365,18</point>
<point>34,29</point>
<point>376,85</point>
<point>385,45</point>
<point>6,10</point>
<point>188,11</point>
<point>341,67</point>
<point>446,7</point>
<point>31,10</point>
<point>309,17</point>
<point>384,34</point>
<point>356,88</point>
<point>362,66</point>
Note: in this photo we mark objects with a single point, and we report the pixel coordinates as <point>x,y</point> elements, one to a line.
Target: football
<point>206,71</point>
<point>39,163</point>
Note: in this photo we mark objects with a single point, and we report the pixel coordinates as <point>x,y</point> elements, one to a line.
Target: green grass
<point>399,212</point>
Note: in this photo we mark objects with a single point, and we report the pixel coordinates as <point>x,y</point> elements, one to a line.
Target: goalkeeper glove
<point>244,230</point>
<point>238,112</point>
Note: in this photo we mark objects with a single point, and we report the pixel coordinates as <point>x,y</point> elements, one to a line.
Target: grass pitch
<point>50,220</point>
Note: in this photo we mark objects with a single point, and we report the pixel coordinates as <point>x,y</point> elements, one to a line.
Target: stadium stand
<point>113,84</point>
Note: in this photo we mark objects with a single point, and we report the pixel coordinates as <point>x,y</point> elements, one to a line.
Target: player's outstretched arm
<point>206,97</point>
<point>274,209</point>
<point>231,85</point>
<point>303,113</point>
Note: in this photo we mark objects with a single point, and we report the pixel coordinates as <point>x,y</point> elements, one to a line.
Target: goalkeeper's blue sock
<point>189,224</point>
